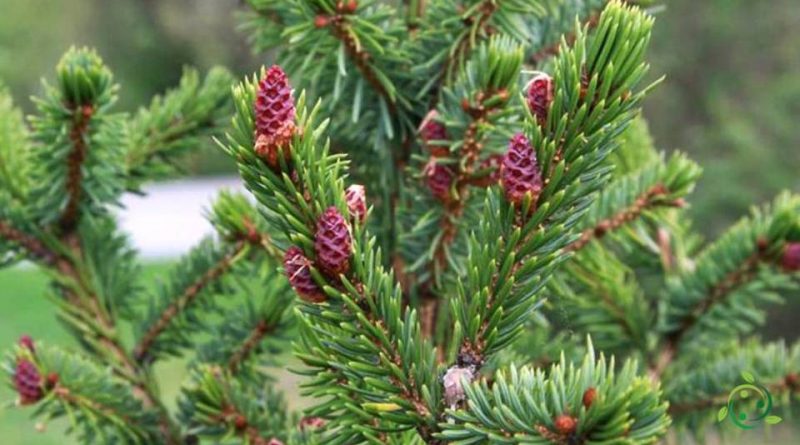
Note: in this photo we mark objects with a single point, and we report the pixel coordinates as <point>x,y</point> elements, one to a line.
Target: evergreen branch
<point>216,405</point>
<point>14,149</point>
<point>30,243</point>
<point>743,257</point>
<point>364,301</point>
<point>176,123</point>
<point>185,298</point>
<point>658,184</point>
<point>99,405</point>
<point>259,328</point>
<point>567,405</point>
<point>514,250</point>
<point>481,101</point>
<point>75,160</point>
<point>553,49</point>
<point>703,382</point>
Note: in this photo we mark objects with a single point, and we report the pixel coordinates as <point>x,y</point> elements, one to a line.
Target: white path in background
<point>169,219</point>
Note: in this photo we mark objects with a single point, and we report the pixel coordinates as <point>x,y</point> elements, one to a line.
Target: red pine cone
<point>540,96</point>
<point>28,382</point>
<point>439,180</point>
<point>520,173</point>
<point>332,243</point>
<point>274,114</point>
<point>565,424</point>
<point>588,397</point>
<point>27,342</point>
<point>791,257</point>
<point>298,270</point>
<point>356,202</point>
<point>432,130</point>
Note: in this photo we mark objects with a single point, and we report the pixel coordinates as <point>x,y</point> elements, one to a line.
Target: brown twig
<point>33,245</point>
<point>186,298</point>
<point>649,199</point>
<point>249,345</point>
<point>77,135</point>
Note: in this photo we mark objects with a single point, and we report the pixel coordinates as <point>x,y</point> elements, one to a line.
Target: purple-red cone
<point>432,130</point>
<point>439,179</point>
<point>540,96</point>
<point>28,382</point>
<point>298,271</point>
<point>521,175</point>
<point>356,198</point>
<point>274,116</point>
<point>333,243</point>
<point>27,342</point>
<point>791,257</point>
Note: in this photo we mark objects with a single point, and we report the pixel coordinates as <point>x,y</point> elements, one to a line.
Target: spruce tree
<point>458,224</point>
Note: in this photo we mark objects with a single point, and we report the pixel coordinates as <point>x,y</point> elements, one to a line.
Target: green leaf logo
<point>772,420</point>
<point>748,377</point>
<point>722,414</point>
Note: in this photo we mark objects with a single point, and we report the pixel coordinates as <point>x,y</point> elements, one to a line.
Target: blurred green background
<point>731,99</point>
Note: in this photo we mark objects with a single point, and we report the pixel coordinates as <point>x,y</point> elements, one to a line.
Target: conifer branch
<point>648,200</point>
<point>249,345</point>
<point>30,243</point>
<point>187,297</point>
<point>81,115</point>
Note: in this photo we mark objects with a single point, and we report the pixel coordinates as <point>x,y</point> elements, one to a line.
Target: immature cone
<point>298,271</point>
<point>439,179</point>
<point>356,202</point>
<point>452,382</point>
<point>333,243</point>
<point>520,172</point>
<point>27,342</point>
<point>274,116</point>
<point>565,424</point>
<point>28,382</point>
<point>432,130</point>
<point>588,397</point>
<point>791,257</point>
<point>540,96</point>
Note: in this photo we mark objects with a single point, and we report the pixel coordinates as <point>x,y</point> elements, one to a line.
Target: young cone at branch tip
<point>332,243</point>
<point>439,179</point>
<point>588,397</point>
<point>791,257</point>
<point>298,271</point>
<point>27,342</point>
<point>520,171</point>
<point>432,130</point>
<point>565,424</point>
<point>356,198</point>
<point>28,382</point>
<point>274,117</point>
<point>540,96</point>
